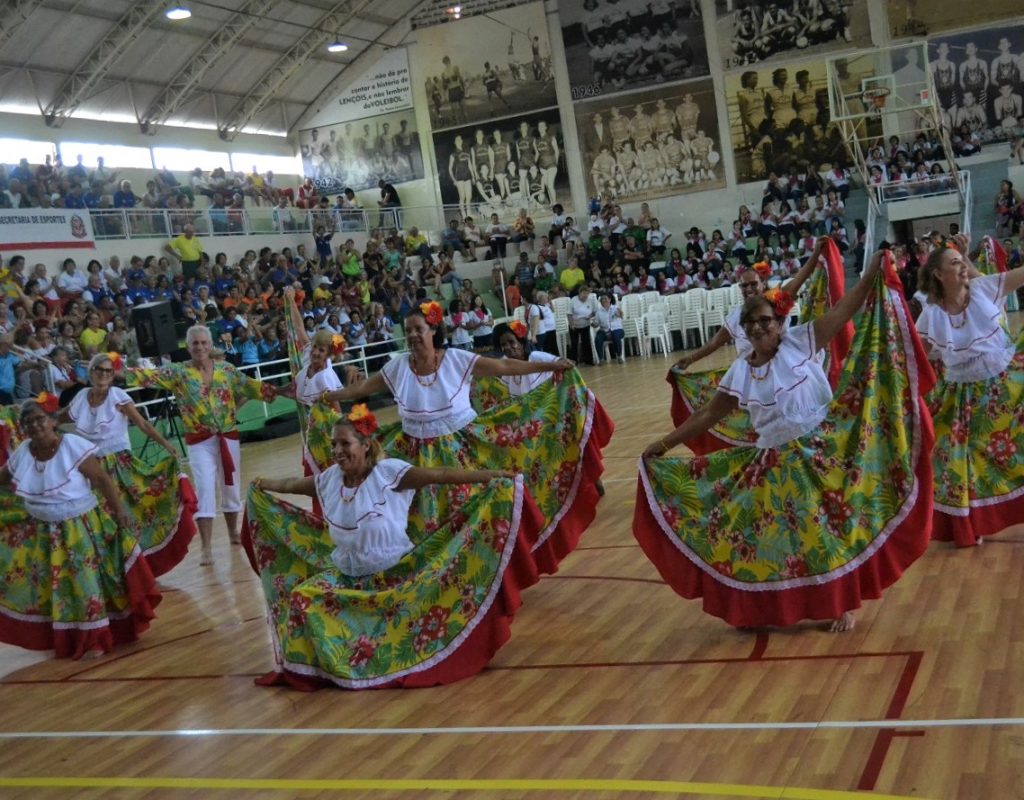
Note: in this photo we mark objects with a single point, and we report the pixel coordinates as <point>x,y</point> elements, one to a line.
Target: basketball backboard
<point>883,80</point>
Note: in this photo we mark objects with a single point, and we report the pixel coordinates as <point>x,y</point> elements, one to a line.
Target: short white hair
<point>195,331</point>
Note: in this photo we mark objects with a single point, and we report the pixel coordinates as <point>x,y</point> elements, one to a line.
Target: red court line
<point>760,645</point>
<point>883,738</point>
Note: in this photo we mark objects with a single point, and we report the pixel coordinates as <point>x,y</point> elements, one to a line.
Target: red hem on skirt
<point>704,443</point>
<point>982,521</point>
<point>583,510</point>
<point>815,602</point>
<point>143,598</point>
<point>490,634</point>
<point>175,548</point>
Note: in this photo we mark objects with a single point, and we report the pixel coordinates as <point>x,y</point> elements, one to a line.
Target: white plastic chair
<point>650,297</point>
<point>713,318</point>
<point>692,320</point>
<point>561,306</point>
<point>562,334</point>
<point>735,296</point>
<point>632,320</point>
<point>656,331</point>
<point>695,299</point>
<point>718,298</point>
<point>673,305</point>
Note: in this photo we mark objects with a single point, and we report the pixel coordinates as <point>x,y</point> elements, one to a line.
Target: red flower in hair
<point>763,268</point>
<point>781,301</point>
<point>362,419</point>
<point>518,329</point>
<point>337,344</point>
<point>432,313</point>
<point>49,402</point>
<point>116,361</point>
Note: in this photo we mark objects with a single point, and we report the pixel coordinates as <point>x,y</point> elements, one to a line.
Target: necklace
<point>348,498</point>
<point>763,375</point>
<point>41,467</point>
<point>426,381</point>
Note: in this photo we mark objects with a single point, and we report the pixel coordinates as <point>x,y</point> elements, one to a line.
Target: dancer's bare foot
<point>89,655</point>
<point>842,624</point>
<point>235,538</point>
<point>981,540</point>
<point>206,560</point>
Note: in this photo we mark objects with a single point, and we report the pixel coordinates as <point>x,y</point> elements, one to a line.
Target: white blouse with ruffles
<point>786,398</point>
<point>973,345</point>
<point>54,490</point>
<point>105,426</point>
<point>518,385</point>
<point>308,390</point>
<point>739,336</point>
<point>367,524</point>
<point>432,405</point>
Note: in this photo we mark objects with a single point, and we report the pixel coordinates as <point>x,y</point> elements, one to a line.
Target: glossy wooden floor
<point>604,642</point>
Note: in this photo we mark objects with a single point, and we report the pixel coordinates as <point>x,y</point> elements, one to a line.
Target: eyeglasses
<point>750,283</point>
<point>103,370</point>
<point>763,322</point>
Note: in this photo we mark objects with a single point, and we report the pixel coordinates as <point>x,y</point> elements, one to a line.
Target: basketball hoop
<point>875,97</point>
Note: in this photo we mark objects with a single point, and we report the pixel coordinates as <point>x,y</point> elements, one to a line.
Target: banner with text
<point>383,88</point>
<point>45,229</point>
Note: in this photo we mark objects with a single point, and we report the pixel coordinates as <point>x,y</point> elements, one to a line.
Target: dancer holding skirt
<point>692,391</point>
<point>159,496</point>
<point>76,581</point>
<point>553,435</point>
<point>374,594</point>
<point>833,502</point>
<point>978,404</point>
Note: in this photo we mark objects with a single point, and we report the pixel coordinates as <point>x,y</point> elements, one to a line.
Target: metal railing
<point>934,186</point>
<point>157,223</point>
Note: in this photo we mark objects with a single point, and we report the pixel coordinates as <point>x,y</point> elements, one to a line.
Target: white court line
<point>530,729</point>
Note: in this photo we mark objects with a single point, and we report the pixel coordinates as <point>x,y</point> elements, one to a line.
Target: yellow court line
<point>494,785</point>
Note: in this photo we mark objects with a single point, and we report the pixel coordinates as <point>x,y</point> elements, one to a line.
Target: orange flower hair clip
<point>115,360</point>
<point>763,268</point>
<point>362,419</point>
<point>518,329</point>
<point>432,312</point>
<point>48,402</point>
<point>338,344</point>
<point>781,301</point>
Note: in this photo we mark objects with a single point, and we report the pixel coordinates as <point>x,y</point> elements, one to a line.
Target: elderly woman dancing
<point>159,497</point>
<point>209,394</point>
<point>978,404</point>
<point>374,594</point>
<point>76,580</point>
<point>833,502</point>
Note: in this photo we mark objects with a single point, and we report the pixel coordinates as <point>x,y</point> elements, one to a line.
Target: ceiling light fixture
<point>337,47</point>
<point>455,12</point>
<point>178,11</point>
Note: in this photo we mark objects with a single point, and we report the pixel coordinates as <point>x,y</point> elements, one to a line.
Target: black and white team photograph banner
<point>755,31</point>
<point>979,80</point>
<point>779,120</point>
<point>652,143</point>
<point>502,166</point>
<point>618,46</point>
<point>359,153</point>
<point>485,67</point>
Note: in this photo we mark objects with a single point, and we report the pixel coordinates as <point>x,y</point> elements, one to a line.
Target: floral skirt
<point>72,586</point>
<point>810,529</point>
<point>439,615</point>
<point>692,390</point>
<point>553,436</point>
<point>979,455</point>
<point>161,503</point>
<point>10,433</point>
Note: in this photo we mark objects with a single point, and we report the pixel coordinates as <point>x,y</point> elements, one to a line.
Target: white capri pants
<point>208,474</point>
